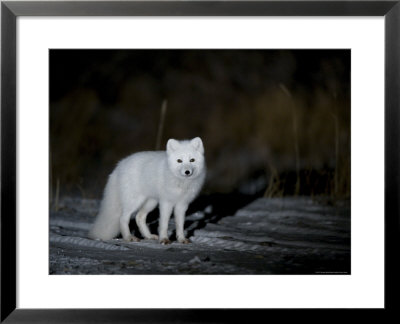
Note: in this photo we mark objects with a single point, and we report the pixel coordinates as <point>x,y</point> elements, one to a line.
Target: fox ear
<point>172,145</point>
<point>197,143</point>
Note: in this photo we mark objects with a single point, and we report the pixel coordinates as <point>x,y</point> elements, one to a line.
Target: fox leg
<point>126,217</point>
<point>165,214</point>
<point>179,211</point>
<point>141,215</point>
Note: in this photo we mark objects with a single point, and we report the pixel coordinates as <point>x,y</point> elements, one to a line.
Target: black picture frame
<point>10,10</point>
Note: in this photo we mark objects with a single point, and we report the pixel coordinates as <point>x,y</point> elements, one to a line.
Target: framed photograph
<point>198,159</point>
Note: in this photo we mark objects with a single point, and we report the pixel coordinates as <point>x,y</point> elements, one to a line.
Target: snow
<point>268,236</point>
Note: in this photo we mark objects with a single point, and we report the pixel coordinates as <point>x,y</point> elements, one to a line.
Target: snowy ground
<point>267,236</point>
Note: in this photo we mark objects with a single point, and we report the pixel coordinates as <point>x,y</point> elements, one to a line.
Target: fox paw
<point>132,239</point>
<point>152,237</point>
<point>165,241</point>
<point>184,240</point>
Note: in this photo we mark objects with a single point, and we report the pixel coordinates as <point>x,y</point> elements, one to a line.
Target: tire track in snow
<point>79,241</point>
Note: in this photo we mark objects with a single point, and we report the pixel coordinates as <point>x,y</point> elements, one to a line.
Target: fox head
<point>186,158</point>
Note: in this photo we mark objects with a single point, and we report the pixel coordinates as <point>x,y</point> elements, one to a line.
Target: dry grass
<point>161,124</point>
<point>247,122</point>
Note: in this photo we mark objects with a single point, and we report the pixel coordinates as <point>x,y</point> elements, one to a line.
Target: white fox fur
<point>171,178</point>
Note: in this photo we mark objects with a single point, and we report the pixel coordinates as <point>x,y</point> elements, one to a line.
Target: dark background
<point>273,122</point>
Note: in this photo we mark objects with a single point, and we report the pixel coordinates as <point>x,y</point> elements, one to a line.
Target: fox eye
<point>191,160</point>
<point>179,161</point>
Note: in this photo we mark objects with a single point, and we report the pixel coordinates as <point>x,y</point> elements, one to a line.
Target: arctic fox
<point>171,178</point>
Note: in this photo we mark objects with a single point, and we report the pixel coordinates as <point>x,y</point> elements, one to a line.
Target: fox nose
<point>187,172</point>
